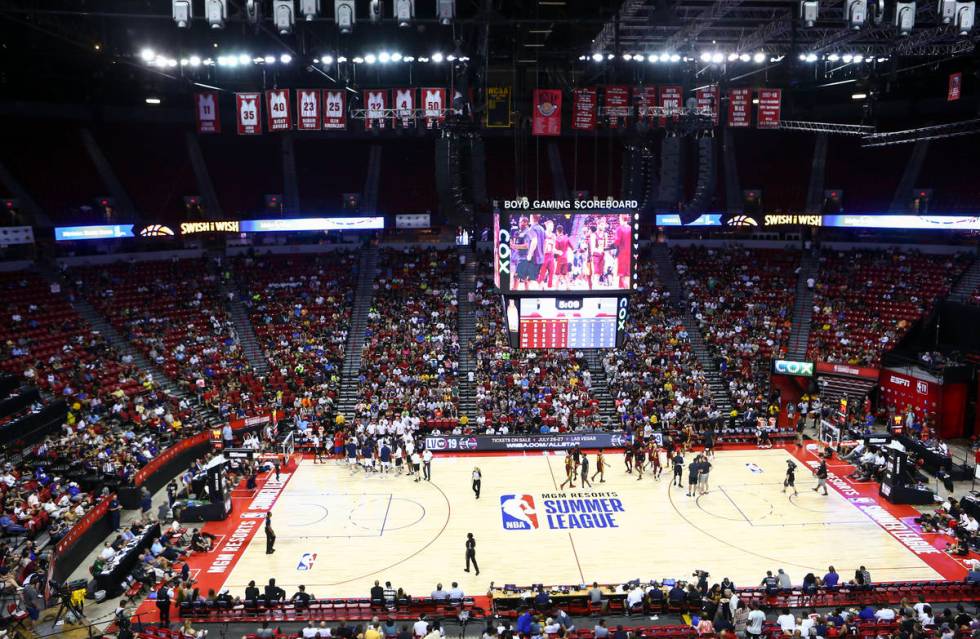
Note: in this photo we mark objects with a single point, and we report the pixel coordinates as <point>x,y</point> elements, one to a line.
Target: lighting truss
<point>832,128</point>
<point>909,136</point>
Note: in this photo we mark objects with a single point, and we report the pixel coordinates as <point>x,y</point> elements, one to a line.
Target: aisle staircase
<point>243,326</point>
<point>600,386</point>
<point>363,296</point>
<point>466,329</point>
<point>799,335</point>
<point>668,277</point>
<point>967,283</point>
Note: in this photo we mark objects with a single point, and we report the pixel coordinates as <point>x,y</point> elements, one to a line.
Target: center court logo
<point>306,561</point>
<point>518,512</point>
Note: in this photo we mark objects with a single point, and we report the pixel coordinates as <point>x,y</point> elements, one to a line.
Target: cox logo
<point>787,367</point>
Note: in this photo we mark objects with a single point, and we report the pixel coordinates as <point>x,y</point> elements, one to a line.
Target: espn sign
<point>900,381</point>
<point>790,367</point>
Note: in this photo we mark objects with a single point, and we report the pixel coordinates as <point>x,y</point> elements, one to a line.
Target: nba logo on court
<point>306,561</point>
<point>518,512</point>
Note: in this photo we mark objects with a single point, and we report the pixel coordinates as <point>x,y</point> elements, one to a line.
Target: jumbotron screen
<point>562,322</point>
<point>558,252</point>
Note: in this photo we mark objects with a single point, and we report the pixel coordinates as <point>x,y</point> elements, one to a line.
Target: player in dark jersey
<point>639,460</point>
<point>628,459</point>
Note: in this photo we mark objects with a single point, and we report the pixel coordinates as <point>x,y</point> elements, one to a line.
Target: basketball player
<point>821,473</point>
<point>600,467</point>
<point>628,459</point>
<point>562,244</point>
<point>351,449</point>
<point>315,442</point>
<point>384,455</point>
<point>624,244</point>
<point>655,466</point>
<point>585,471</point>
<point>546,277</point>
<point>790,481</point>
<point>569,472</point>
<point>576,457</point>
<point>639,460</point>
<point>678,462</point>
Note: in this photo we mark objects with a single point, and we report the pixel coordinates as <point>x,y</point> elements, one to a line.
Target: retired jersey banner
<point>770,107</point>
<point>583,109</point>
<point>309,114</point>
<point>334,109</point>
<point>617,105</point>
<point>708,98</point>
<point>644,99</point>
<point>546,119</point>
<point>739,114</point>
<point>405,106</point>
<point>248,110</point>
<point>955,87</point>
<point>433,106</point>
<point>277,108</point>
<point>498,108</point>
<point>672,99</point>
<point>375,103</point>
<point>206,112</point>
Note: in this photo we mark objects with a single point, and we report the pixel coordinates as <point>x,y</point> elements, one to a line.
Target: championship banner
<point>206,112</point>
<point>498,108</point>
<point>566,441</point>
<point>546,119</point>
<point>277,108</point>
<point>644,99</point>
<point>709,98</point>
<point>405,106</point>
<point>672,99</point>
<point>583,109</point>
<point>770,106</point>
<point>434,106</point>
<point>248,107</point>
<point>334,109</point>
<point>955,87</point>
<point>375,103</point>
<point>617,101</point>
<point>739,114</point>
<point>309,116</point>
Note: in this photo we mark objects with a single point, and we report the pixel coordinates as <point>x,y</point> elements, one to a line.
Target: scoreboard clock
<point>565,322</point>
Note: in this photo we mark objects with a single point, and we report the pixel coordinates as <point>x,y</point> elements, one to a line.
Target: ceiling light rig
<point>244,59</point>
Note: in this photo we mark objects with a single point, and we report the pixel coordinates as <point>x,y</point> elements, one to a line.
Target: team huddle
<point>386,448</point>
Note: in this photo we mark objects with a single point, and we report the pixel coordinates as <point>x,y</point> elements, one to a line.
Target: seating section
<point>299,306</point>
<point>655,377</point>
<point>172,311</point>
<point>410,357</point>
<point>865,301</point>
<point>524,390</point>
<point>743,301</point>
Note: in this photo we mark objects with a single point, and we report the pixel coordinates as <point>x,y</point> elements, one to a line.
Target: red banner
<point>309,115</point>
<point>405,106</point>
<point>248,109</point>
<point>277,108</point>
<point>547,112</point>
<point>709,98</point>
<point>644,99</point>
<point>770,106</point>
<point>901,390</point>
<point>375,103</point>
<point>955,87</point>
<point>334,109</point>
<point>739,113</point>
<point>671,98</point>
<point>828,368</point>
<point>583,109</point>
<point>617,102</point>
<point>434,106</point>
<point>206,112</point>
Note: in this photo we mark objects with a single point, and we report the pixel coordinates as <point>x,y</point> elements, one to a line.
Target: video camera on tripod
<point>64,592</point>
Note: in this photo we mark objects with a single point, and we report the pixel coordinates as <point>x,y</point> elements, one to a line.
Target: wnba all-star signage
<point>248,108</point>
<point>739,114</point>
<point>644,99</point>
<point>583,109</point>
<point>277,107</point>
<point>206,112</point>
<point>546,119</point>
<point>671,99</point>
<point>405,107</point>
<point>334,109</point>
<point>708,98</point>
<point>375,103</point>
<point>565,441</point>
<point>308,116</point>
<point>770,108</point>
<point>617,103</point>
<point>433,106</point>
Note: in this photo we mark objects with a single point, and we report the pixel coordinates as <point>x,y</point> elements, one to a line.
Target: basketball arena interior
<point>497,319</point>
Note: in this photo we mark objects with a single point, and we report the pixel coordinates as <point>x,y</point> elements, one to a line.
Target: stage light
<point>282,16</point>
<point>285,58</point>
<point>309,9</point>
<point>184,62</point>
<point>148,55</point>
<point>597,57</point>
<point>833,57</point>
<point>745,57</point>
<point>437,57</point>
<point>732,57</point>
<point>882,59</point>
<point>370,58</point>
<point>396,57</point>
<point>404,12</point>
<point>856,13</point>
<point>858,96</point>
<point>244,58</point>
<point>705,57</point>
<point>609,56</point>
<point>231,61</point>
<point>904,17</point>
<point>858,58</point>
<point>171,63</point>
<point>384,57</point>
<point>195,61</point>
<point>182,13</point>
<point>811,57</point>
<point>408,58</point>
<point>447,11</point>
<point>809,12</point>
<point>153,100</point>
<point>627,56</point>
<point>345,15</point>
<point>717,58</point>
<point>423,59</point>
<point>341,59</point>
<point>675,57</point>
<point>216,12</point>
<point>759,57</point>
<point>965,15</point>
<point>652,57</point>
<point>269,59</point>
<point>327,59</point>
<point>358,59</point>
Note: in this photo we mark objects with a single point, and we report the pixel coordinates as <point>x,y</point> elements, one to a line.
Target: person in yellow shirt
<point>372,632</point>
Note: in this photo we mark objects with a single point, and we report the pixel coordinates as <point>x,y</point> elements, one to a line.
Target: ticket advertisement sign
<point>565,441</point>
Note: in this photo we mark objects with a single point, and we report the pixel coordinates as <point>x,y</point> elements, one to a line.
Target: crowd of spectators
<point>743,301</point>
<point>953,520</point>
<point>655,379</point>
<point>410,358</point>
<point>865,300</point>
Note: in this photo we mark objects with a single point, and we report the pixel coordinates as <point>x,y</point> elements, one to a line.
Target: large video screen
<point>558,252</point>
<point>563,322</point>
